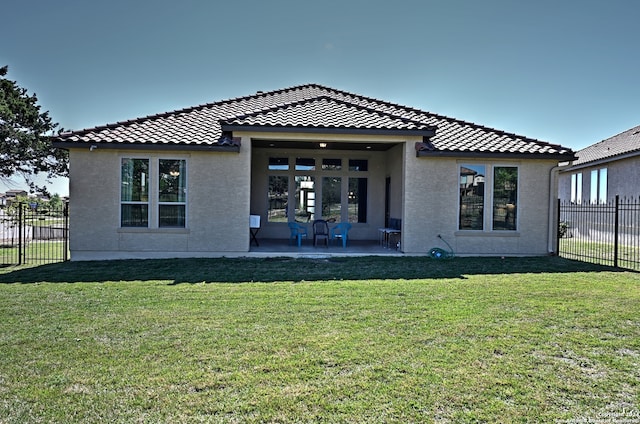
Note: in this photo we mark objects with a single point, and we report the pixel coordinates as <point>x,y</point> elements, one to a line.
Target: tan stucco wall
<point>432,202</point>
<point>217,207</point>
<point>223,189</point>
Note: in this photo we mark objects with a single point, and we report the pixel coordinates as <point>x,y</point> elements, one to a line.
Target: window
<point>305,164</point>
<point>317,188</point>
<point>576,188</point>
<point>602,186</point>
<point>172,193</point>
<point>357,200</point>
<point>332,199</point>
<point>594,186</point>
<point>505,197</point>
<point>331,164</point>
<point>278,164</point>
<point>168,205</point>
<point>359,165</point>
<point>134,193</point>
<point>278,198</point>
<point>599,186</point>
<point>472,197</point>
<point>501,201</point>
<point>305,200</point>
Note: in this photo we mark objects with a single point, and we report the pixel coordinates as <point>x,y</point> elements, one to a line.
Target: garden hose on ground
<point>438,253</point>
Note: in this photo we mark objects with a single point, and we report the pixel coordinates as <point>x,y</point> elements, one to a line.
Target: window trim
<point>487,219</point>
<point>153,203</point>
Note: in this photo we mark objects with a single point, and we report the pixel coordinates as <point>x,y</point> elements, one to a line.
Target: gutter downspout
<point>553,195</point>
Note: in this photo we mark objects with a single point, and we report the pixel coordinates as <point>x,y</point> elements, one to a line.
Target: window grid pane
<point>305,199</point>
<point>172,192</point>
<point>171,216</point>
<point>278,198</point>
<point>134,183</point>
<point>472,179</point>
<point>357,203</point>
<point>134,193</point>
<point>172,181</point>
<point>331,198</point>
<point>331,164</point>
<point>358,165</point>
<point>134,215</point>
<point>505,198</point>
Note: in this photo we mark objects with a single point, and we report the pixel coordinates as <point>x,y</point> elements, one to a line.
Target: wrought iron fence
<point>607,234</point>
<point>33,235</point>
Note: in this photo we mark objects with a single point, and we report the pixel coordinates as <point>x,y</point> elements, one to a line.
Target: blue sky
<point>563,71</point>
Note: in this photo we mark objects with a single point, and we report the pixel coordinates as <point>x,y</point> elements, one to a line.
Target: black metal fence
<point>607,234</point>
<point>33,235</point>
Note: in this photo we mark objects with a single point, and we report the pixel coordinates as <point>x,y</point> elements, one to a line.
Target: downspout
<point>553,182</point>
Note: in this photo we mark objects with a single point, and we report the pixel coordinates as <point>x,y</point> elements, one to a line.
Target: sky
<point>562,71</point>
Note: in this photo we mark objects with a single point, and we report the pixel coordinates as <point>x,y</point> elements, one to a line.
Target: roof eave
<point>145,146</point>
<point>501,155</point>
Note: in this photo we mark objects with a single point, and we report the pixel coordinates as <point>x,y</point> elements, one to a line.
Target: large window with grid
<point>308,188</point>
<point>488,197</point>
<point>153,193</point>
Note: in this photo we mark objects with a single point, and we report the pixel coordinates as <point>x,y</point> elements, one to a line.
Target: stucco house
<point>603,170</point>
<point>186,183</point>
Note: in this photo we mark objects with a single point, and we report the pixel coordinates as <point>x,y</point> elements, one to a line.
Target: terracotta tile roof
<point>623,144</point>
<point>311,107</point>
<point>324,112</point>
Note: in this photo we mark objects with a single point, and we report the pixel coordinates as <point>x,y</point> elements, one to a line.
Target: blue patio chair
<point>297,231</point>
<point>340,231</point>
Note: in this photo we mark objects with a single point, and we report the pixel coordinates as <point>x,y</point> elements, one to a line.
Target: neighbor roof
<point>310,108</point>
<point>619,146</point>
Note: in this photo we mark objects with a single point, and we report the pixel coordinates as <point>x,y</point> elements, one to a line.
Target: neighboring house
<point>603,170</point>
<point>185,183</point>
<point>6,199</point>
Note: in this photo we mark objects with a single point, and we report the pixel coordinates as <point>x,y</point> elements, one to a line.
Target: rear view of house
<point>185,183</point>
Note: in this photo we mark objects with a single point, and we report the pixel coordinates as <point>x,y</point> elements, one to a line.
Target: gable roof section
<point>309,108</point>
<point>620,146</point>
<point>324,113</point>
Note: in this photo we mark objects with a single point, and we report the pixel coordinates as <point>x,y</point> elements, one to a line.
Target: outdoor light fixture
<point>323,145</point>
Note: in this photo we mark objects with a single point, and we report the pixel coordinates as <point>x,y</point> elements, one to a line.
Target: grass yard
<point>35,252</point>
<point>600,253</point>
<point>320,340</point>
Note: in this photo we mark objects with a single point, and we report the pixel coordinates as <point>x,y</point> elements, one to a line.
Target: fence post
<point>65,231</point>
<point>558,228</point>
<point>616,227</point>
<point>20,223</point>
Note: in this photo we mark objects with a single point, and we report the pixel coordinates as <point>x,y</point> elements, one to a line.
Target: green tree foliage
<point>25,148</point>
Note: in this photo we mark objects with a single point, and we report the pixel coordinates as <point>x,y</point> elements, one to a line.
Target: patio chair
<point>320,231</point>
<point>297,231</point>
<point>340,232</point>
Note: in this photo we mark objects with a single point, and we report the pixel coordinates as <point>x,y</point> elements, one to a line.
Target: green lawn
<point>34,252</point>
<point>324,340</point>
<point>600,253</point>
